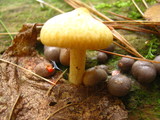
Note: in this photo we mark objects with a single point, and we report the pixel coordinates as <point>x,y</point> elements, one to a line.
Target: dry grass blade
<point>77,3</point>
<point>135,58</point>
<point>27,71</point>
<point>12,109</point>
<point>12,33</point>
<point>59,77</point>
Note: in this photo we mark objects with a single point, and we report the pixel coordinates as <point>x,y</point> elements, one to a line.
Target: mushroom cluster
<point>76,30</point>
<point>57,54</point>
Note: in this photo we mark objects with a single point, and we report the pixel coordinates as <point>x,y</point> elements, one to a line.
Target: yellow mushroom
<point>79,31</point>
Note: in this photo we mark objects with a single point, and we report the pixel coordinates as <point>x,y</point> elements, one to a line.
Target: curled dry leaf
<point>24,42</point>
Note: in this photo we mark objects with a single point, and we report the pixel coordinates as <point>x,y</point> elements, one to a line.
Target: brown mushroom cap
<point>125,64</point>
<point>102,57</point>
<point>64,56</point>
<point>41,69</point>
<point>143,71</point>
<point>119,85</point>
<point>93,76</point>
<point>52,53</point>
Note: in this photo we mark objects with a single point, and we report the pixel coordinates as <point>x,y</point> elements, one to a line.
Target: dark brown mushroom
<point>93,76</point>
<point>119,85</point>
<point>110,48</point>
<point>44,69</point>
<point>52,53</point>
<point>157,65</point>
<point>125,64</point>
<point>64,56</point>
<point>143,71</point>
<point>102,57</point>
<point>104,67</point>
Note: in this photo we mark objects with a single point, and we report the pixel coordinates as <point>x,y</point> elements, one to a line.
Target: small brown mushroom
<point>125,64</point>
<point>52,53</point>
<point>157,65</point>
<point>104,67</point>
<point>102,57</point>
<point>110,48</point>
<point>44,69</point>
<point>143,71</point>
<point>64,56</point>
<point>119,85</point>
<point>93,76</point>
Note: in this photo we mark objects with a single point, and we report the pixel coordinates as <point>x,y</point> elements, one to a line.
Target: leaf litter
<point>65,101</point>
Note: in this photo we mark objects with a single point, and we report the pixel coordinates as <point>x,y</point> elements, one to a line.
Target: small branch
<point>53,7</point>
<point>28,71</point>
<point>6,29</point>
<point>135,58</point>
<point>137,8</point>
<point>12,109</point>
<point>59,77</point>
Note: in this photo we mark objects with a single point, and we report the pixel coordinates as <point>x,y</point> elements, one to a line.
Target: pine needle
<point>135,58</point>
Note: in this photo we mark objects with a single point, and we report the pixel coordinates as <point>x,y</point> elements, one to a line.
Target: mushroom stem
<point>77,65</point>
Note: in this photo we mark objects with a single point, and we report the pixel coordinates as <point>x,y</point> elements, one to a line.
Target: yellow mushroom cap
<point>76,29</point>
